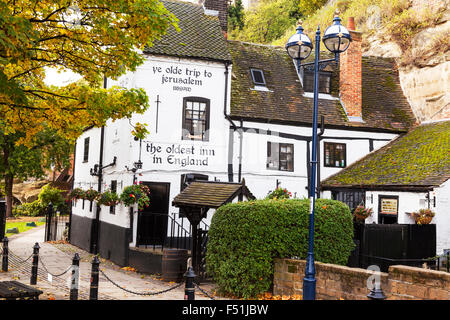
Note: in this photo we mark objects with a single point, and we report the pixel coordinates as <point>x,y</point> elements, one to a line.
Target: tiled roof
<point>384,105</point>
<point>209,194</point>
<point>200,35</point>
<point>419,158</point>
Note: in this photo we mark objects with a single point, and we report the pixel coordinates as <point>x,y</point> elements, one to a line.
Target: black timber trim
<point>308,125</point>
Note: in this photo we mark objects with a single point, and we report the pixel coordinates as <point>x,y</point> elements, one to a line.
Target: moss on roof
<point>384,106</point>
<point>419,158</point>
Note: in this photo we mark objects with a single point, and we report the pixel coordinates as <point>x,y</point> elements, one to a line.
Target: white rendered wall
<point>160,153</point>
<point>82,177</point>
<point>261,180</point>
<point>442,217</point>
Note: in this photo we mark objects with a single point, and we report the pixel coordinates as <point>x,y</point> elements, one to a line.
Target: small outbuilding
<point>410,173</point>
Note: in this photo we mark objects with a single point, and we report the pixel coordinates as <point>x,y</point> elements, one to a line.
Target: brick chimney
<point>350,77</point>
<point>219,8</point>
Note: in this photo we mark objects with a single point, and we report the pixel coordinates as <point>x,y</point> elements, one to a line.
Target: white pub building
<point>226,111</point>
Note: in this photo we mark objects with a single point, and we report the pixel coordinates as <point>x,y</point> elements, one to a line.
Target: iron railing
<point>438,263</point>
<point>179,235</point>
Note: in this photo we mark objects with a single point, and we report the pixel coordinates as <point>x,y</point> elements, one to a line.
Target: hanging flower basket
<point>91,194</point>
<point>423,216</point>
<point>108,198</point>
<point>76,194</point>
<point>361,213</point>
<point>279,193</point>
<point>136,194</point>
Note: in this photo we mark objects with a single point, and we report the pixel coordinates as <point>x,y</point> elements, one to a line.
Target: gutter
<point>233,125</point>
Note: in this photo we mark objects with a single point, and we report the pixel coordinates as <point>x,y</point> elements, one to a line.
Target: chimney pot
<point>351,23</point>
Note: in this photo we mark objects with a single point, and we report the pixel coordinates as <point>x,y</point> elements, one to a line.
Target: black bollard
<point>5,255</point>
<point>93,293</point>
<point>189,289</point>
<point>376,293</point>
<point>75,276</point>
<point>34,266</point>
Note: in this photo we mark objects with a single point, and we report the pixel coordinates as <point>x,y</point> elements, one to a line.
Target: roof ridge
<point>256,44</point>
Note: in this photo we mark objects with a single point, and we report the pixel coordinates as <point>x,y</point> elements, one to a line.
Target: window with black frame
<point>86,150</point>
<point>280,156</point>
<point>324,81</point>
<point>334,155</point>
<point>352,198</point>
<point>112,209</point>
<point>195,118</point>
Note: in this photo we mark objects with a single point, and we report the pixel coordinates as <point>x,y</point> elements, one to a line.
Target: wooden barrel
<point>174,264</point>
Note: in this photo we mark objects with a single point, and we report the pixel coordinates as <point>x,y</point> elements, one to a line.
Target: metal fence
<point>57,224</point>
<point>35,267</point>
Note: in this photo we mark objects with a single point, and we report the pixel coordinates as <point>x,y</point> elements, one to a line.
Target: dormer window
<point>258,77</point>
<point>324,81</point>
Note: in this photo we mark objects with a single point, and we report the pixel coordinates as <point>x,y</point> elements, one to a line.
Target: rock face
<point>428,90</point>
<point>425,72</point>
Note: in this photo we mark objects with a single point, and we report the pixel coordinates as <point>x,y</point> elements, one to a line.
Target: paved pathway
<point>57,258</point>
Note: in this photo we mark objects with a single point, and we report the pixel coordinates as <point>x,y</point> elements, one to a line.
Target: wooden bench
<point>12,290</point>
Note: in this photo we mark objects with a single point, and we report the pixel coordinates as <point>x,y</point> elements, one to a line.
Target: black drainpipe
<point>231,134</point>
<point>73,185</point>
<point>96,225</point>
<point>241,137</point>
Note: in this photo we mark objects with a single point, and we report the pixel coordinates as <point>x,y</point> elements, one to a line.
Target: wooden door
<point>152,221</point>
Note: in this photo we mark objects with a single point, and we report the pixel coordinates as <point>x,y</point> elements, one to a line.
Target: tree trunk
<point>9,194</point>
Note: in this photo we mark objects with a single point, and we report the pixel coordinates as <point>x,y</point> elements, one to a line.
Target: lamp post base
<point>309,289</point>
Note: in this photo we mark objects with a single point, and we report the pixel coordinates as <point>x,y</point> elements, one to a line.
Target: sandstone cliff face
<point>424,66</point>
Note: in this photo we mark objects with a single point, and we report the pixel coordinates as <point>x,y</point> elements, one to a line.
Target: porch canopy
<point>200,196</point>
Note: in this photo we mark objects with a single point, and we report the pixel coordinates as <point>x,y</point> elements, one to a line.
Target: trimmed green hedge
<point>245,237</point>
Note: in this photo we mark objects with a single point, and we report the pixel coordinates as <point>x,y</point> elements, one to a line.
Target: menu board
<point>389,206</point>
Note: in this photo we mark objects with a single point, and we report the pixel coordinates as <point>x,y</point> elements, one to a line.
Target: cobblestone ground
<point>56,257</point>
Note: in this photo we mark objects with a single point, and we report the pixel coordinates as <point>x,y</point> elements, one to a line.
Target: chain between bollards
<point>75,277</point>
<point>189,289</point>
<point>5,255</point>
<point>34,265</point>
<point>93,292</point>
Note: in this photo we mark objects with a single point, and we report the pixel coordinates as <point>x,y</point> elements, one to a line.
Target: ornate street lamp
<point>336,39</point>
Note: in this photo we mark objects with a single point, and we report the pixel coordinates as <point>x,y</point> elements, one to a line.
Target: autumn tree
<point>93,38</point>
<point>17,161</point>
<point>267,21</point>
<point>236,15</point>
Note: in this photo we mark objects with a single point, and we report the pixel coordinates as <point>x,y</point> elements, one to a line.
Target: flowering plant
<point>91,194</point>
<point>362,213</point>
<point>108,198</point>
<point>136,194</point>
<point>279,193</point>
<point>76,194</point>
<point>423,216</point>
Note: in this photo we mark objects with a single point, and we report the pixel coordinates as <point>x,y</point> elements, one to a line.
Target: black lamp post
<point>336,39</point>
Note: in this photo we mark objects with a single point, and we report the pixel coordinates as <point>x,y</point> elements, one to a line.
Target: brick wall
<point>222,7</point>
<point>350,76</point>
<point>334,282</point>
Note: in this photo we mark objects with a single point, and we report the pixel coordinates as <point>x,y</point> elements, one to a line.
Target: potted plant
<point>76,194</point>
<point>136,193</point>
<point>279,193</point>
<point>361,213</point>
<point>108,198</point>
<point>423,216</point>
<point>91,194</point>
